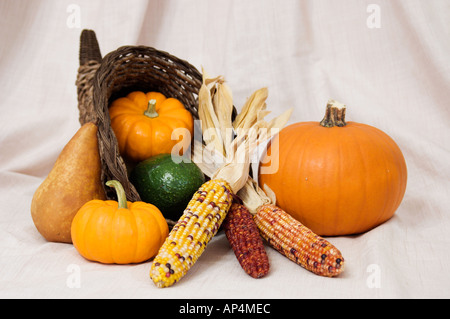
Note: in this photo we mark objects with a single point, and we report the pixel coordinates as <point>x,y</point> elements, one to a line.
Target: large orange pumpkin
<point>336,178</point>
<point>144,122</point>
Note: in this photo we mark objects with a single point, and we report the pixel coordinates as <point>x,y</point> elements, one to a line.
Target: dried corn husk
<point>226,157</point>
<point>254,109</point>
<point>215,112</point>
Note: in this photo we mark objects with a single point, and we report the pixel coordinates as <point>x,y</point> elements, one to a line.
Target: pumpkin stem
<point>334,115</point>
<point>151,111</point>
<point>121,196</point>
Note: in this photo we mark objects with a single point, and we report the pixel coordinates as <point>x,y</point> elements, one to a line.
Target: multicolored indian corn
<point>297,242</point>
<point>188,238</point>
<point>246,242</point>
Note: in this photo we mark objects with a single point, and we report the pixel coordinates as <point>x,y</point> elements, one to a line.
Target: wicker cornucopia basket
<point>129,68</point>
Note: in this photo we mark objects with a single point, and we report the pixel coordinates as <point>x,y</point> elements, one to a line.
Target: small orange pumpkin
<point>143,124</point>
<point>120,232</point>
<point>336,178</point>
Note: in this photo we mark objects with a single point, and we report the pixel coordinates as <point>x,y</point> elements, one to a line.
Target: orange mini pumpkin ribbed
<point>122,232</point>
<point>336,178</point>
<point>144,122</point>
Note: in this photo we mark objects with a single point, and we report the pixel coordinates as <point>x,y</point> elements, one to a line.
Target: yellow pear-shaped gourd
<point>73,181</point>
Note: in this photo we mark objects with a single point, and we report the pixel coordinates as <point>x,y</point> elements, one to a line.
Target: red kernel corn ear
<point>298,243</point>
<point>246,242</point>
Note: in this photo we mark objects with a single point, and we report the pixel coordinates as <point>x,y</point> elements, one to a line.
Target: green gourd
<point>167,182</point>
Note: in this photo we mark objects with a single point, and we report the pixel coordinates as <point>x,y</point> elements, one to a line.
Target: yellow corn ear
<point>297,242</point>
<point>188,238</point>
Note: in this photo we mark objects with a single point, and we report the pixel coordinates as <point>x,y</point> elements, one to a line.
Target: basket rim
<point>184,76</point>
<point>141,49</point>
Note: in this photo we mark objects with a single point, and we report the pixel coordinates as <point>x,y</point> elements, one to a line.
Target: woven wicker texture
<point>90,58</point>
<point>127,69</point>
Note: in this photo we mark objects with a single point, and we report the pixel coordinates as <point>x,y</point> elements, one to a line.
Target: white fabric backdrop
<point>395,77</point>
